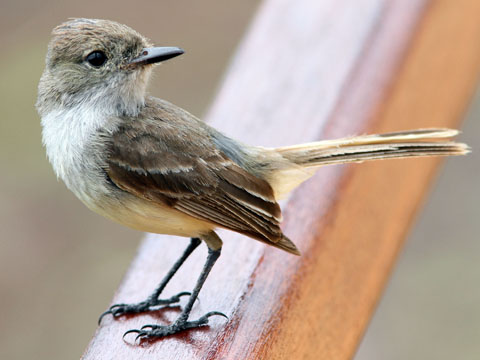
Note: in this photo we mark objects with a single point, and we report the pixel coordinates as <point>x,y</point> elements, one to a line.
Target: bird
<point>150,165</point>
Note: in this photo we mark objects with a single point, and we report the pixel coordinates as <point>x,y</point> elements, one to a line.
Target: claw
<point>131,331</point>
<point>213,313</point>
<point>117,306</point>
<point>183,293</point>
<point>151,326</point>
<point>102,315</point>
<point>116,313</point>
<point>110,311</point>
<point>139,336</point>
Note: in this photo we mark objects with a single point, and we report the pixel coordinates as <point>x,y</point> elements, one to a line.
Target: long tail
<point>304,158</point>
<point>421,142</point>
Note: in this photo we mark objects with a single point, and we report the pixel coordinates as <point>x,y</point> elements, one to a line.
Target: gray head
<point>99,62</point>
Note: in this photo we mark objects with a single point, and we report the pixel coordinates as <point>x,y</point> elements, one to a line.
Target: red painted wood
<point>307,70</point>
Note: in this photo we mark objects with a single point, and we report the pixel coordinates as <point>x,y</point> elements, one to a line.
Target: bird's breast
<point>75,149</point>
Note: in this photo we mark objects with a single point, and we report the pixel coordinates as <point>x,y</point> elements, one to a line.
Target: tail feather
<point>403,144</point>
<point>304,158</point>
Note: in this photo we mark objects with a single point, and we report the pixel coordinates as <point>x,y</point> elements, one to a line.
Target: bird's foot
<point>158,331</point>
<point>150,304</point>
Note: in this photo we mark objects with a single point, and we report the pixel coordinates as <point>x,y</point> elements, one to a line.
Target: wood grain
<point>307,70</point>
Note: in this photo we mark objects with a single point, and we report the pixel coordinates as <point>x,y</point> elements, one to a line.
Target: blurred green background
<point>56,280</point>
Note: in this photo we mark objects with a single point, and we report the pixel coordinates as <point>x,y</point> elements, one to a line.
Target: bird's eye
<point>96,58</point>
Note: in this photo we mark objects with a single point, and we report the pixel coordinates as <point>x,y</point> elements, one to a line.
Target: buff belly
<point>151,217</point>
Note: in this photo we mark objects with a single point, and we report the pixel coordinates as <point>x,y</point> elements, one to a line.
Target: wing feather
<point>165,158</point>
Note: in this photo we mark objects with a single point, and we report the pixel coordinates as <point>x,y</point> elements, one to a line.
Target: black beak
<point>156,54</point>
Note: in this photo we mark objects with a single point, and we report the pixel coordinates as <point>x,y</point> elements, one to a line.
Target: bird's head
<point>98,62</point>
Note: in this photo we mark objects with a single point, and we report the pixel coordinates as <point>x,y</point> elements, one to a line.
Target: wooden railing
<point>309,70</point>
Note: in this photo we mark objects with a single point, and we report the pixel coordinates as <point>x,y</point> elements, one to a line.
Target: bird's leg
<point>182,323</point>
<point>153,300</point>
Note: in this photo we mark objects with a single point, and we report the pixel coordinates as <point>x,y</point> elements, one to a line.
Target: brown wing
<point>168,158</point>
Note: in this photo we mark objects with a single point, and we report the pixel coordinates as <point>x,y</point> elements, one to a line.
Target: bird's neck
<point>121,95</point>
